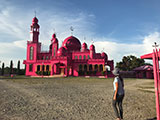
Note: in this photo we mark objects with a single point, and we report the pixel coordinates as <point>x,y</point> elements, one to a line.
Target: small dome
<point>104,55</point>
<point>35,20</point>
<point>61,51</point>
<point>92,47</point>
<point>84,45</point>
<point>54,39</point>
<point>72,44</point>
<point>54,35</point>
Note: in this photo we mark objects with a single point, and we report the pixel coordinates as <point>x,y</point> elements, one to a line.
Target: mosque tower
<point>33,46</point>
<point>34,30</point>
<point>54,44</point>
<point>92,51</point>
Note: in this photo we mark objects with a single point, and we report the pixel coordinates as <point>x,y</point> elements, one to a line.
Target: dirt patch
<point>72,99</point>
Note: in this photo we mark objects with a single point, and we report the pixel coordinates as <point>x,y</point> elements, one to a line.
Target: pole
<point>156,79</point>
<point>42,69</point>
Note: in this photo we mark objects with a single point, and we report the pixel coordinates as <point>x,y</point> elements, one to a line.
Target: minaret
<point>54,42</point>
<point>92,51</point>
<point>84,47</point>
<point>34,30</point>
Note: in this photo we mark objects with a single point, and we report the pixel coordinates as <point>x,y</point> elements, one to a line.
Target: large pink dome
<point>72,44</point>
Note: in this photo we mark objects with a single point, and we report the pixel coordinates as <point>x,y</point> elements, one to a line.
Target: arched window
<point>96,67</point>
<point>108,68</point>
<point>43,67</point>
<point>38,67</point>
<point>31,53</point>
<point>90,67</point>
<point>85,68</point>
<point>80,57</point>
<point>54,51</point>
<point>47,68</point>
<point>80,67</point>
<point>84,57</point>
<point>88,57</point>
<point>43,58</point>
<point>46,57</point>
<point>101,67</point>
<point>76,57</point>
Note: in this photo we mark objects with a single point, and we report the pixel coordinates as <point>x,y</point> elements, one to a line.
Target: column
<point>51,69</point>
<point>104,68</point>
<point>66,71</point>
<point>40,67</point>
<point>55,68</point>
<point>36,67</point>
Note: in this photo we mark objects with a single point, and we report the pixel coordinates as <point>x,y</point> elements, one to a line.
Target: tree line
<point>11,70</point>
<point>130,62</point>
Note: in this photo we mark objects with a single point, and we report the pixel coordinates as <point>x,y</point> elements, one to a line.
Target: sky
<point>117,27</point>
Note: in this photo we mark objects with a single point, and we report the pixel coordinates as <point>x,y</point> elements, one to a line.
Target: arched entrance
<point>59,68</point>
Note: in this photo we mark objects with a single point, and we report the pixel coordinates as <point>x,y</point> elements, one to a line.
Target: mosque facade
<point>71,59</point>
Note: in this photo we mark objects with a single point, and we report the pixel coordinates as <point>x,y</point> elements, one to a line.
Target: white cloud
<point>116,51</point>
<point>149,41</point>
<point>20,43</point>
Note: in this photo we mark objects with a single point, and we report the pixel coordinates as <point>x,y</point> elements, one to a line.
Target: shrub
<point>103,73</point>
<point>48,73</point>
<point>81,73</point>
<point>39,72</point>
<point>94,72</point>
<point>87,73</point>
<point>43,72</point>
<point>90,72</point>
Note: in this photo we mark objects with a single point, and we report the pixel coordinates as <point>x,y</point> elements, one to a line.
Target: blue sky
<point>120,27</point>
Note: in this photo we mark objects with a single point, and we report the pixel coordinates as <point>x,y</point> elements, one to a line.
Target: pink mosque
<point>71,59</point>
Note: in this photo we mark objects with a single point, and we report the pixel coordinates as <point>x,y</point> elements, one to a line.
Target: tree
<point>11,67</point>
<point>129,63</point>
<point>2,73</point>
<point>18,67</point>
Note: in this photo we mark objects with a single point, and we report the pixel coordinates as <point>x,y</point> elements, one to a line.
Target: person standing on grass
<point>118,94</point>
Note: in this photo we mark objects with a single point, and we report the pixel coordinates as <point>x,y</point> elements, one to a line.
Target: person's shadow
<point>155,118</point>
